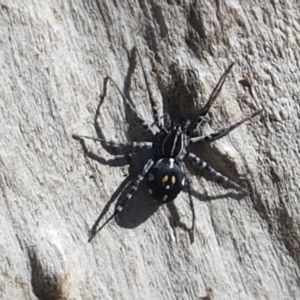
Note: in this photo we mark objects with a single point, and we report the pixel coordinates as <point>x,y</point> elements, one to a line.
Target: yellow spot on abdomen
<point>165,179</point>
<point>173,179</point>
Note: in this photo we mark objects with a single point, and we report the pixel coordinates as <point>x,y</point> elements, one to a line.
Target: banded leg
<point>216,175</point>
<point>145,125</point>
<point>212,98</point>
<point>133,188</point>
<point>223,132</point>
<point>133,145</point>
<point>157,119</point>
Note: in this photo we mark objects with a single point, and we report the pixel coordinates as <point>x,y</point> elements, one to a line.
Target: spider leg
<point>216,91</point>
<point>212,98</point>
<point>216,175</point>
<point>133,145</point>
<point>132,189</point>
<point>222,132</point>
<point>154,107</point>
<point>145,125</point>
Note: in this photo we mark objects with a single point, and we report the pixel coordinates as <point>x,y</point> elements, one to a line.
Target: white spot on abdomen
<point>150,176</point>
<point>171,160</point>
<point>183,181</point>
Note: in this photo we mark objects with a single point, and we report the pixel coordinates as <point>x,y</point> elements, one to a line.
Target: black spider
<point>165,172</point>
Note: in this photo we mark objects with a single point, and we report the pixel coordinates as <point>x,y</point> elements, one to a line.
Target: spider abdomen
<point>166,179</point>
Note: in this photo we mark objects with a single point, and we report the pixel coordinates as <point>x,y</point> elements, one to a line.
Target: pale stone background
<point>54,56</point>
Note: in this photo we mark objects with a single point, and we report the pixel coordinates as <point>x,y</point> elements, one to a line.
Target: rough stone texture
<point>54,56</point>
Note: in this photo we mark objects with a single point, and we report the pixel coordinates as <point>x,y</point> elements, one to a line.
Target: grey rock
<point>54,57</point>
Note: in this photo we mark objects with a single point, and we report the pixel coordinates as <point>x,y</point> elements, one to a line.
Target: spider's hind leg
<point>217,176</point>
<point>132,189</point>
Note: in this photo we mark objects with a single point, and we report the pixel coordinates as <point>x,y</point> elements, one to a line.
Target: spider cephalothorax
<point>165,171</point>
<point>170,142</point>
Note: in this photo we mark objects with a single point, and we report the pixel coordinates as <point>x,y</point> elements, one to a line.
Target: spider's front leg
<point>191,126</point>
<point>216,91</point>
<point>133,188</point>
<point>215,174</point>
<point>222,132</point>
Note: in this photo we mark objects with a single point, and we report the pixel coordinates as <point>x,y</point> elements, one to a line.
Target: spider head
<point>171,142</point>
<point>166,179</point>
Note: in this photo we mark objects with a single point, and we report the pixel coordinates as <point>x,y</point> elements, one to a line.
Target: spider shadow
<point>117,161</point>
<point>137,211</point>
<point>175,220</point>
<point>135,130</point>
<point>141,206</point>
<point>212,157</point>
<point>140,209</point>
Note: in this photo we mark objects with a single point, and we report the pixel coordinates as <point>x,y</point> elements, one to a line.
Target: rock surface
<point>54,57</point>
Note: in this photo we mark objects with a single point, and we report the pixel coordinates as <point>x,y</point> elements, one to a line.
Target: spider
<point>165,171</point>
